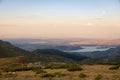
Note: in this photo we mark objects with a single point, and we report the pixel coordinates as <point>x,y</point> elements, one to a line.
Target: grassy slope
<point>4,61</point>
<point>90,70</point>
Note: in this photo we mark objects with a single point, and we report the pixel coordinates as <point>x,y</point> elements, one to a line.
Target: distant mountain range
<point>111,55</point>
<point>96,42</point>
<point>42,55</point>
<point>110,52</point>
<point>54,55</point>
<point>55,52</point>
<point>59,42</point>
<point>32,47</point>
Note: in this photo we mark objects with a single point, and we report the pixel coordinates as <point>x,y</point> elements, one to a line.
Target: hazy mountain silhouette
<point>8,50</point>
<point>42,55</point>
<point>53,55</point>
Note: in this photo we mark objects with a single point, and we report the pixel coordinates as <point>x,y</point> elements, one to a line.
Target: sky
<point>94,19</point>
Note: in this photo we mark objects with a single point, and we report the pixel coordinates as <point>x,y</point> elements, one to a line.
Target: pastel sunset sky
<point>95,19</point>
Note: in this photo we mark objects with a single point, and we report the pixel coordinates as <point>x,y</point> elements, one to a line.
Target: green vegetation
<point>55,66</point>
<point>50,78</point>
<point>44,75</point>
<point>16,68</point>
<point>73,67</point>
<point>98,77</point>
<point>114,67</point>
<point>39,71</point>
<point>82,75</point>
<point>69,67</point>
<point>59,65</point>
<point>56,74</point>
<point>21,68</point>
<point>59,74</point>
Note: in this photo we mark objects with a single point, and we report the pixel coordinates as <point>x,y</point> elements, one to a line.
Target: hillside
<point>42,55</point>
<point>89,72</point>
<point>32,47</point>
<point>53,55</point>
<point>110,59</point>
<point>8,50</point>
<point>57,53</point>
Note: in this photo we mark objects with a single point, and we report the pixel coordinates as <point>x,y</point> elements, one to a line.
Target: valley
<point>59,39</point>
<point>53,64</point>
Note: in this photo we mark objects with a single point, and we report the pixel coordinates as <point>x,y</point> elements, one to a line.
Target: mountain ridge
<point>53,55</point>
<point>8,50</point>
<point>44,55</point>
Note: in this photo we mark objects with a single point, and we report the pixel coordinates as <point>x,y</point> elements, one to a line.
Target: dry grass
<point>90,70</point>
<point>93,70</point>
<point>4,61</point>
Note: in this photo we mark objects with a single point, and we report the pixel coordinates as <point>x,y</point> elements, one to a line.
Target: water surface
<point>92,48</point>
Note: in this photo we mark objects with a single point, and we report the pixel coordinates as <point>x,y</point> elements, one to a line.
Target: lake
<point>92,48</point>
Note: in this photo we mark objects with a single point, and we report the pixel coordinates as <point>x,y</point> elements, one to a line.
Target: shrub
<point>74,68</point>
<point>114,67</point>
<point>98,77</point>
<point>50,78</point>
<point>5,69</point>
<point>55,66</point>
<point>59,74</point>
<point>82,75</point>
<point>39,71</point>
<point>16,68</point>
<point>19,68</point>
<point>47,75</point>
<point>22,69</point>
